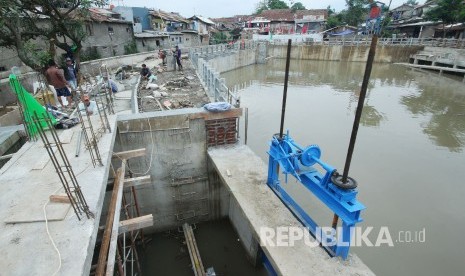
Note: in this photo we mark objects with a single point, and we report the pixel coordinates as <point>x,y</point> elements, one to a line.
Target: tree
<point>261,6</point>
<point>447,12</point>
<point>32,26</point>
<point>411,2</point>
<point>297,6</point>
<point>277,4</point>
<point>330,10</point>
<point>356,9</point>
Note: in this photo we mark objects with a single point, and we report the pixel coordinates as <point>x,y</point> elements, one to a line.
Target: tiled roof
<point>104,15</point>
<point>168,16</point>
<point>289,15</point>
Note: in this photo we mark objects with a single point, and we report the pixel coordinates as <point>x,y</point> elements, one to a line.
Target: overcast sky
<point>226,8</point>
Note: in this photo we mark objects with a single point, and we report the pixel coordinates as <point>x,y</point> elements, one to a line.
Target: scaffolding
<point>120,238</point>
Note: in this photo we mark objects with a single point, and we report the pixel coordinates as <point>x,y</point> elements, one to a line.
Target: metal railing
<point>216,86</point>
<point>365,41</point>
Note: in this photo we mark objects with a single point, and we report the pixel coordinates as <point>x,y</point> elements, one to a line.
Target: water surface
<point>409,158</point>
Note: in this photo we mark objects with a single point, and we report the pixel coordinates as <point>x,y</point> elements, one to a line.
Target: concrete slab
<point>244,175</point>
<point>25,247</point>
<point>9,136</point>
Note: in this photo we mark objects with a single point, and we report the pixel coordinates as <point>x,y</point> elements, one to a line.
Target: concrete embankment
<point>384,53</point>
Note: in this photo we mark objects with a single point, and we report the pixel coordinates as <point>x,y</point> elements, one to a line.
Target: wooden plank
<point>135,223</point>
<point>130,154</point>
<point>5,157</point>
<point>233,113</point>
<point>114,210</point>
<point>114,231</point>
<point>59,199</point>
<point>136,181</point>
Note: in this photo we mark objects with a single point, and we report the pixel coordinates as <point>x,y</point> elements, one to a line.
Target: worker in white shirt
<point>87,106</point>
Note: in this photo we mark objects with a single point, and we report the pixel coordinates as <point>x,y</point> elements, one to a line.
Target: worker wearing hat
<point>88,107</point>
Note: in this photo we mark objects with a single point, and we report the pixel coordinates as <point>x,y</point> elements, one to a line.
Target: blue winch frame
<point>297,161</point>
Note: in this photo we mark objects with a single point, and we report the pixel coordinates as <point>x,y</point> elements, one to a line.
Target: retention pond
<point>409,157</point>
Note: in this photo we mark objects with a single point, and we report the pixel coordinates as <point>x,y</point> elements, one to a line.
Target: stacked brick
<point>221,131</point>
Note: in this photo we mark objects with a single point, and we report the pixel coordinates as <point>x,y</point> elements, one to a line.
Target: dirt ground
<point>176,89</point>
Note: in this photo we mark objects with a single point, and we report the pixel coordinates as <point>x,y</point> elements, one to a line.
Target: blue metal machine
<point>338,196</point>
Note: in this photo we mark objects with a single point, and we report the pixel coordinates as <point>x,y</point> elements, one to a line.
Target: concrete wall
<point>384,53</point>
<point>146,44</point>
<point>182,188</point>
<point>109,45</point>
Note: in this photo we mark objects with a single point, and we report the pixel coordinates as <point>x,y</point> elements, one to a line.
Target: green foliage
<point>271,5</point>
<point>297,6</point>
<point>411,2</point>
<point>219,38</point>
<point>333,21</point>
<point>330,11</point>
<point>448,12</point>
<point>36,54</point>
<point>277,4</point>
<point>356,10</point>
<point>90,54</point>
<point>22,22</point>
<point>130,48</point>
<point>261,6</point>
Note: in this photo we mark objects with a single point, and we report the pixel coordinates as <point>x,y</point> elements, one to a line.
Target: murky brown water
<point>409,158</point>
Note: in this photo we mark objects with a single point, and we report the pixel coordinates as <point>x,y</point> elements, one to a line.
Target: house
<point>287,21</point>
<point>107,34</point>
<point>407,21</point>
<point>202,26</point>
<point>147,41</point>
<point>138,16</point>
<point>168,21</point>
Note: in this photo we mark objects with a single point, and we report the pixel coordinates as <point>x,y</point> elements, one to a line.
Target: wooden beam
<point>113,214</point>
<point>6,157</point>
<point>232,113</point>
<point>129,154</point>
<point>135,223</point>
<point>59,199</point>
<point>136,181</point>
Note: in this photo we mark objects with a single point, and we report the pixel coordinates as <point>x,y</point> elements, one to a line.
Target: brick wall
<point>221,131</point>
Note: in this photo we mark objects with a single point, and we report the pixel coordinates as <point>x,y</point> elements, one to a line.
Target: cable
<point>50,236</point>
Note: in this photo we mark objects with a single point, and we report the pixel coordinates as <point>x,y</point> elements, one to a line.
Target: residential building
<point>203,26</point>
<point>138,16</point>
<point>107,34</point>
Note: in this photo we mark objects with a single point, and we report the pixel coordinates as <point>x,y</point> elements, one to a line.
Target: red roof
<point>289,15</point>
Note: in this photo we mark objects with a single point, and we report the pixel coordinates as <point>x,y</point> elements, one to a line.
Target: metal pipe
<point>246,124</point>
<point>286,79</point>
<point>79,142</point>
<point>361,100</point>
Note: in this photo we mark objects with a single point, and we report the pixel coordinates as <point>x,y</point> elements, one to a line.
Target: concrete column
<point>261,53</point>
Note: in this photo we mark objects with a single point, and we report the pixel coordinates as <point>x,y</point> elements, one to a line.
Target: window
<point>187,39</point>
<point>128,30</point>
<point>110,31</point>
<point>136,19</point>
<point>157,42</point>
<point>172,39</point>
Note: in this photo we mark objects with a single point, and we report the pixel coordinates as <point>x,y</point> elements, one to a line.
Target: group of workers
<point>65,81</point>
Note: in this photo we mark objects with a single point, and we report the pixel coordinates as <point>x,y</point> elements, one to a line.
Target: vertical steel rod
<point>361,100</point>
<point>286,79</point>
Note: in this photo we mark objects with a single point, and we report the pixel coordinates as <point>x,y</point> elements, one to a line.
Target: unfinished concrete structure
<point>185,166</point>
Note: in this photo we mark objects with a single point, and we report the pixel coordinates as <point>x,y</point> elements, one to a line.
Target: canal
<point>409,158</point>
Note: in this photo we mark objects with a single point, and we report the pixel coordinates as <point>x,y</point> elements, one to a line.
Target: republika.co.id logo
<point>328,236</point>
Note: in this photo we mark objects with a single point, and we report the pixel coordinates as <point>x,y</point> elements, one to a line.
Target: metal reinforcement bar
<point>197,264</point>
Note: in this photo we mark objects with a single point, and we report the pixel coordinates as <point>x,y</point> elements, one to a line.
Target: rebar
<point>91,142</point>
<point>62,166</point>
